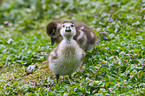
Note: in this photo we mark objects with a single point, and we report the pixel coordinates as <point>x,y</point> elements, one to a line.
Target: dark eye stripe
<point>72,25</point>
<point>63,25</point>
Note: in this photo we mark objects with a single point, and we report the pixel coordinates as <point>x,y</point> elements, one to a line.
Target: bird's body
<point>84,36</point>
<point>67,57</point>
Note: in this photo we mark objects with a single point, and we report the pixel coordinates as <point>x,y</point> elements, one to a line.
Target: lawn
<point>115,67</point>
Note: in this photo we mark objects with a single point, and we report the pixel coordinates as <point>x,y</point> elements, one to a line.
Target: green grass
<point>115,67</point>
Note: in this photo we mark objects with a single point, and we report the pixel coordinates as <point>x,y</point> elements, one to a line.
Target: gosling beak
<point>68,30</point>
<point>53,41</point>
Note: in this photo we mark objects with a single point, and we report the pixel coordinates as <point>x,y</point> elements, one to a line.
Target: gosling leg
<point>70,76</point>
<point>70,79</point>
<point>57,77</point>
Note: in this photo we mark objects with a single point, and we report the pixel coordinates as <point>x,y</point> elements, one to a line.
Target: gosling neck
<point>68,39</point>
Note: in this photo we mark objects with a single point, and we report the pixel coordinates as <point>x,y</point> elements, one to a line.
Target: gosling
<point>85,37</point>
<point>67,57</point>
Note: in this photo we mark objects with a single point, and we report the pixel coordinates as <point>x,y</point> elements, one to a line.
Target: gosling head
<point>52,30</point>
<point>68,29</point>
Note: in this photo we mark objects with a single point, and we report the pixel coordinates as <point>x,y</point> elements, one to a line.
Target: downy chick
<point>84,36</point>
<point>67,57</point>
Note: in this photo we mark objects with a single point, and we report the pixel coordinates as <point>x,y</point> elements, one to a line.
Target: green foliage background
<point>115,67</point>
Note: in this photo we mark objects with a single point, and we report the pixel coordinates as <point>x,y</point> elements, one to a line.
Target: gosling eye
<point>72,25</point>
<point>63,25</point>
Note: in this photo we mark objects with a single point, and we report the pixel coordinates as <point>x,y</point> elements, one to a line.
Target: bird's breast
<point>68,51</point>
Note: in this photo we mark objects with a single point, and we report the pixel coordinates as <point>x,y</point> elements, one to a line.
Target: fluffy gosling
<point>67,57</point>
<point>84,36</point>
